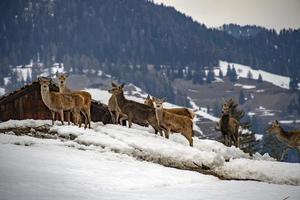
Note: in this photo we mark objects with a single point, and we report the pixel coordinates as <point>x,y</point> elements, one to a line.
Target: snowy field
<point>108,162</point>
<point>242,71</point>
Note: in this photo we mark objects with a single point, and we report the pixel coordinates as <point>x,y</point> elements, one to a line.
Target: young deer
<point>173,122</point>
<point>85,95</point>
<point>229,127</point>
<point>114,109</point>
<point>291,138</point>
<point>59,102</point>
<point>179,111</point>
<point>134,111</point>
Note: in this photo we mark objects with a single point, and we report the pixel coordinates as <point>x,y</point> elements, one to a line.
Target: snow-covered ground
<point>242,71</point>
<point>101,163</point>
<point>2,91</point>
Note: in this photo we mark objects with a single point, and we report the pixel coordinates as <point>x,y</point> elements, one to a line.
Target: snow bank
<point>242,71</point>
<point>2,91</point>
<point>24,123</point>
<point>53,171</point>
<point>199,112</point>
<point>247,87</point>
<point>141,142</point>
<point>268,171</point>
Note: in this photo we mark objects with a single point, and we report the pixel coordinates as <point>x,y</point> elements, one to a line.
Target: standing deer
<point>85,95</point>
<point>59,102</point>
<point>291,138</point>
<point>134,111</point>
<point>173,122</point>
<point>114,109</point>
<point>179,111</point>
<point>229,127</point>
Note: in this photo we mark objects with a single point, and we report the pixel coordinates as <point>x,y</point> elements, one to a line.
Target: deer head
<point>44,84</point>
<point>158,103</point>
<point>225,109</point>
<point>274,128</point>
<point>116,89</point>
<point>62,79</point>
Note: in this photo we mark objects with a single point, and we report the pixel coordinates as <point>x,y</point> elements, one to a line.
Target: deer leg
<point>284,153</point>
<point>53,117</point>
<point>85,120</point>
<point>130,120</point>
<point>61,112</point>
<point>68,117</point>
<point>88,117</point>
<point>117,117</point>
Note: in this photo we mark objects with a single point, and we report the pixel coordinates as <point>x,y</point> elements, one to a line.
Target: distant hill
<point>124,37</point>
<point>242,31</point>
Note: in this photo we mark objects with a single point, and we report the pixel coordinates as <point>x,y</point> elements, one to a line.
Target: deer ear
<point>164,99</point>
<point>148,97</point>
<point>276,122</point>
<point>113,84</point>
<point>67,75</point>
<point>123,84</point>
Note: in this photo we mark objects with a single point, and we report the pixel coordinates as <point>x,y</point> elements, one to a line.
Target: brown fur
<point>114,108</point>
<point>134,110</point>
<point>86,96</point>
<point>291,138</point>
<point>179,111</point>
<point>229,127</point>
<point>59,102</point>
<point>173,122</point>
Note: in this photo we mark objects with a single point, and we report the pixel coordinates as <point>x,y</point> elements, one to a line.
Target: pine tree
<point>220,74</point>
<point>249,75</point>
<point>260,80</point>
<point>233,75</point>
<point>228,73</point>
<point>293,83</point>
<point>242,97</point>
<point>210,76</point>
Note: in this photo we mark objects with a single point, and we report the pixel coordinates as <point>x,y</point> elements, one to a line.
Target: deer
<point>229,127</point>
<point>59,102</point>
<point>85,95</point>
<point>173,122</point>
<point>134,111</point>
<point>290,138</point>
<point>179,111</point>
<point>114,108</point>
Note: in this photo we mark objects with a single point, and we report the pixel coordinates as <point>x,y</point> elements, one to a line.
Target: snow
<point>258,136</point>
<point>270,171</point>
<point>141,142</point>
<point>56,169</point>
<point>200,112</point>
<point>247,87</point>
<point>242,71</point>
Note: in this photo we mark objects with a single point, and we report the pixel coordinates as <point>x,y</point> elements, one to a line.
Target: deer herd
<point>164,121</point>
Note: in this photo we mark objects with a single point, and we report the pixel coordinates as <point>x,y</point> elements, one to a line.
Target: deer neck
<point>281,134</point>
<point>46,96</point>
<point>159,115</point>
<point>120,100</point>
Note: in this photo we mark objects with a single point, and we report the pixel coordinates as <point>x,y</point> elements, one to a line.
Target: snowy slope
<point>49,169</point>
<point>140,142</point>
<point>242,71</point>
<point>101,164</point>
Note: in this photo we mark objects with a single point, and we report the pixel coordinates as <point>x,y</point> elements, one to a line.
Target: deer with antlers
<point>85,95</point>
<point>291,138</point>
<point>59,102</point>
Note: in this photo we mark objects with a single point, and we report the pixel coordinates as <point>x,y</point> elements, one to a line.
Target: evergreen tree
<point>228,73</point>
<point>293,83</point>
<point>260,80</point>
<point>220,74</point>
<point>249,75</point>
<point>233,75</point>
<point>242,97</point>
<point>298,101</point>
<point>210,76</point>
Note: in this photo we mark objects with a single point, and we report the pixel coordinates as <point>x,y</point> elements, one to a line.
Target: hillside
<point>112,161</point>
<point>116,35</point>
